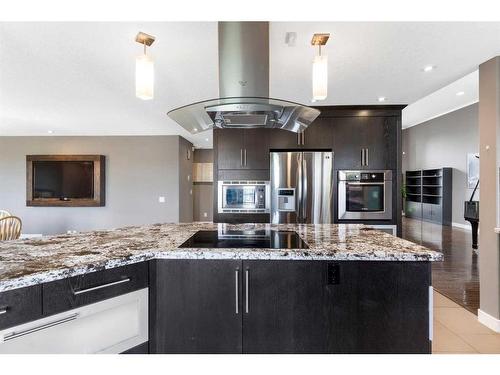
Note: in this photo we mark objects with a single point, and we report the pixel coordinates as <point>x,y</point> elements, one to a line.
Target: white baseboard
<point>488,320</point>
<point>463,226</point>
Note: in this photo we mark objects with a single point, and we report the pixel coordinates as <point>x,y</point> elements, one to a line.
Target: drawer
<point>67,294</point>
<point>20,306</point>
<point>112,326</point>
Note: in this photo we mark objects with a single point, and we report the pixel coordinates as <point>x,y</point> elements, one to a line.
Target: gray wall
<point>203,191</point>
<point>445,142</point>
<point>138,171</point>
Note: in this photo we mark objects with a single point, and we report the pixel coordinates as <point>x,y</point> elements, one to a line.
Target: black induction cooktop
<point>262,239</point>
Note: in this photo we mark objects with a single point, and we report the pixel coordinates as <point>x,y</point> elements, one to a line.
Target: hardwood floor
<point>457,277</point>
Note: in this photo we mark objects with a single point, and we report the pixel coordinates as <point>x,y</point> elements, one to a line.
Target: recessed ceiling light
<point>206,139</point>
<point>313,100</point>
<point>195,130</point>
<point>50,131</point>
<point>429,68</point>
<point>382,99</point>
<point>460,93</point>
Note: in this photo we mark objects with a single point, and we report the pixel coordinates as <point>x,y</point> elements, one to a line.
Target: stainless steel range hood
<point>244,87</point>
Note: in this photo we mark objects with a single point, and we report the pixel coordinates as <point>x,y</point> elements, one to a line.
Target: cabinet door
<point>284,307</point>
<point>348,140</point>
<point>256,149</point>
<point>229,148</point>
<point>319,135</point>
<point>392,308</point>
<point>380,139</point>
<point>376,135</point>
<point>195,306</point>
<point>283,139</point>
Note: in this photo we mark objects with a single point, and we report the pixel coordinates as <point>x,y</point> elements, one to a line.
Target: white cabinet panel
<point>110,326</point>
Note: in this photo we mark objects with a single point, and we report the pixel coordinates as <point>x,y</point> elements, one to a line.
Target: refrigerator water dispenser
<point>286,200</point>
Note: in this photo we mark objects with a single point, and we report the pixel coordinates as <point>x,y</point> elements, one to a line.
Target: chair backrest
<point>10,228</point>
<point>4,213</point>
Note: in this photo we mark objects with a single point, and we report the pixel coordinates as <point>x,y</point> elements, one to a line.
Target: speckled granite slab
<point>29,262</point>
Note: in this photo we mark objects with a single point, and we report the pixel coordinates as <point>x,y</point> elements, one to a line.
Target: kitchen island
<point>353,290</point>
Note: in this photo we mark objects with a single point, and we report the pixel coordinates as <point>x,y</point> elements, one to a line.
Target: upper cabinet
<point>318,135</point>
<point>365,142</point>
<point>242,148</point>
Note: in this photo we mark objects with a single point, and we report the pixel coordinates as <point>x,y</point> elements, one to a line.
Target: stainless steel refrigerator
<point>301,187</point>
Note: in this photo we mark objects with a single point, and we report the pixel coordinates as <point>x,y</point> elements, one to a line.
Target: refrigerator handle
<point>304,190</point>
<point>298,184</point>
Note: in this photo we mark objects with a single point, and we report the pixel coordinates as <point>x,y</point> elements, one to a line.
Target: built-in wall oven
<point>365,195</point>
<point>243,197</point>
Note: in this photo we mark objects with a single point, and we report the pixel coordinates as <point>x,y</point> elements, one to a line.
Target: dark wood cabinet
<point>286,310</point>
<point>20,306</point>
<point>285,306</point>
<point>365,142</point>
<point>392,307</point>
<point>256,148</point>
<point>318,135</point>
<point>229,148</point>
<point>73,292</point>
<point>284,140</point>
<point>242,148</point>
<point>195,306</point>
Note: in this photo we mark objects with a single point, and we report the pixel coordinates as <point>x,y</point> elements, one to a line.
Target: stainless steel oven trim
<point>243,210</point>
<point>343,214</point>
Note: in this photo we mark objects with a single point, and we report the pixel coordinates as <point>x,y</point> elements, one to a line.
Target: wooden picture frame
<point>99,182</point>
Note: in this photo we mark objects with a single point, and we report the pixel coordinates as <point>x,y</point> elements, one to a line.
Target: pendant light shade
<point>320,77</point>
<point>144,77</point>
<point>144,69</point>
<point>320,68</point>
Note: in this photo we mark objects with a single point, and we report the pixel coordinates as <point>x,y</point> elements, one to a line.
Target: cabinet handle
<point>362,157</point>
<point>241,157</point>
<point>303,138</point>
<point>246,290</point>
<point>82,291</point>
<point>245,157</point>
<point>366,157</point>
<point>3,310</point>
<point>236,288</point>
<point>298,139</point>
<point>15,335</point>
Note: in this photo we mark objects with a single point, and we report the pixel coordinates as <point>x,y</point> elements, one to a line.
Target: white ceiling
<point>78,78</point>
<point>444,100</point>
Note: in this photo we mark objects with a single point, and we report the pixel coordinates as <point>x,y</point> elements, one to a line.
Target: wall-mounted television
<point>65,180</point>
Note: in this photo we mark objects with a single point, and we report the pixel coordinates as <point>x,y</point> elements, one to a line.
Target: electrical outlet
<point>161,199</point>
<point>205,214</point>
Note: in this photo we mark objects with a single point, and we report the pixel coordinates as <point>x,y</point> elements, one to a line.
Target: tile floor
<point>457,331</point>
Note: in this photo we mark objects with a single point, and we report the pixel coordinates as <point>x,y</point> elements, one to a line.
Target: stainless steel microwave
<point>244,197</point>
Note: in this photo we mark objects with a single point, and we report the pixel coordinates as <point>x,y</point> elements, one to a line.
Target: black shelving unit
<point>429,195</point>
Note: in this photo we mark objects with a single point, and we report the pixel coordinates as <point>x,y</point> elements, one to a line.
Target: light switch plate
<point>161,199</point>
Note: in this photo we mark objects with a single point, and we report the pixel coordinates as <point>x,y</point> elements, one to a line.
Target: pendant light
<point>144,69</point>
<point>320,68</point>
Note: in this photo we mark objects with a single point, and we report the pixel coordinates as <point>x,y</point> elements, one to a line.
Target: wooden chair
<point>4,213</point>
<point>10,228</point>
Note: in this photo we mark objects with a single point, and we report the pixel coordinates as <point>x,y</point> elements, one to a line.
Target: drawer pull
<point>3,310</point>
<point>15,335</point>
<point>82,291</point>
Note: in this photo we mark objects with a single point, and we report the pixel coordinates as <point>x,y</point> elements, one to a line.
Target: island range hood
<point>244,87</point>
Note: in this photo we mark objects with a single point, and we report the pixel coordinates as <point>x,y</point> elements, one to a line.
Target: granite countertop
<point>34,261</point>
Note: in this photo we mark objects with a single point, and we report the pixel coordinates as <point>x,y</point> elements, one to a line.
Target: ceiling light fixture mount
<point>320,68</point>
<point>144,69</point>
<point>428,68</point>
<point>460,93</point>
